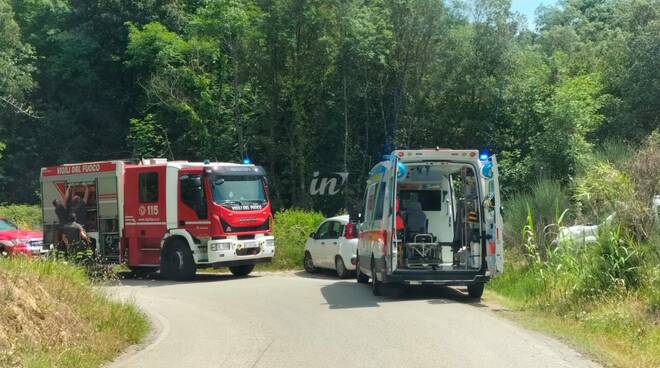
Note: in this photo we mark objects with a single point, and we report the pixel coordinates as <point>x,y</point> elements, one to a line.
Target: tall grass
<point>547,200</point>
<point>615,153</point>
<point>605,295</point>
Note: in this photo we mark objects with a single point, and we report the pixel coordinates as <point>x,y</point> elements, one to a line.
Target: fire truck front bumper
<point>234,252</point>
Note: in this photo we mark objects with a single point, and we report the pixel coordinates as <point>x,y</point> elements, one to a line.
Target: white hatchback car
<point>332,246</point>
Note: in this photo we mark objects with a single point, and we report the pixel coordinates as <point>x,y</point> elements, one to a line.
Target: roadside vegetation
<point>291,229</point>
<point>53,317</point>
<point>25,216</point>
<point>603,296</point>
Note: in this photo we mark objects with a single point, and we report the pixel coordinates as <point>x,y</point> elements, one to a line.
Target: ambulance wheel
<point>176,261</point>
<point>376,286</point>
<point>476,290</point>
<point>361,278</point>
<point>241,270</point>
<point>308,263</point>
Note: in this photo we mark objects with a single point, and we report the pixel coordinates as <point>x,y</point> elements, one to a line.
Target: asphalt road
<point>294,320</point>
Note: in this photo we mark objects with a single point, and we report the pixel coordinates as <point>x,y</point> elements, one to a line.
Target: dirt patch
<point>34,314</point>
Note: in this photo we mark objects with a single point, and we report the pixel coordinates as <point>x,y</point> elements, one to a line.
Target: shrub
<point>25,216</point>
<point>600,191</point>
<point>291,229</point>
<point>644,168</point>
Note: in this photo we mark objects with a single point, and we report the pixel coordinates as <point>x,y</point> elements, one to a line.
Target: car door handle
<point>335,243</point>
<point>322,243</point>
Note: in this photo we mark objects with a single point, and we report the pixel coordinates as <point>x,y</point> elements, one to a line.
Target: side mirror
<point>312,235</point>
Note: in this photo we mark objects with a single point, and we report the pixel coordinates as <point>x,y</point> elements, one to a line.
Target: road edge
<point>158,330</point>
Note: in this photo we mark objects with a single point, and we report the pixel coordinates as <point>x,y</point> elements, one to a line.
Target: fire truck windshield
<point>237,189</point>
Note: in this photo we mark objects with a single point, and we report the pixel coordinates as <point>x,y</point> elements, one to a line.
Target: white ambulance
<point>431,216</point>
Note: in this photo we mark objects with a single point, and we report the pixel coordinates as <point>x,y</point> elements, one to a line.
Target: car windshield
<point>238,189</point>
<point>6,225</point>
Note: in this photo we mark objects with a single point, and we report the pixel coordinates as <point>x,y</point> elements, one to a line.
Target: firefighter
<point>74,235</point>
<point>62,214</point>
<point>79,206</point>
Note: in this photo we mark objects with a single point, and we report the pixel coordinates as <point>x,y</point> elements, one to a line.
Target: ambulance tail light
<point>385,242</point>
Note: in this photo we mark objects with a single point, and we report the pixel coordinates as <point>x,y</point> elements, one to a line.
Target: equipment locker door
<point>493,216</point>
<point>392,256</point>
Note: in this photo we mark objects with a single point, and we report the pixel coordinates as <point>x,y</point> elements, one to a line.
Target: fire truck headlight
<point>270,243</point>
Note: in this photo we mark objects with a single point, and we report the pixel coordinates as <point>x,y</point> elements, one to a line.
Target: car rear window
<point>6,225</point>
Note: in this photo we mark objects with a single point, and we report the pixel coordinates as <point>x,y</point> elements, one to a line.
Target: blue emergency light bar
<point>484,154</point>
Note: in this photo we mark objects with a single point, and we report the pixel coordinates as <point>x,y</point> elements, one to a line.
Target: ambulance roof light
<point>484,154</point>
<point>247,161</point>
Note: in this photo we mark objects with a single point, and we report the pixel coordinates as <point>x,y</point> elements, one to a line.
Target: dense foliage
<point>306,86</point>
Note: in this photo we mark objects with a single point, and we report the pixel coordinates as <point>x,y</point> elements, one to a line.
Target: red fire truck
<point>169,215</point>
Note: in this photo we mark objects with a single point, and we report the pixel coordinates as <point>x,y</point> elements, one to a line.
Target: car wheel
<point>342,272</point>
<point>361,278</point>
<point>241,270</point>
<point>376,286</point>
<point>308,263</point>
<point>476,290</point>
<point>176,261</point>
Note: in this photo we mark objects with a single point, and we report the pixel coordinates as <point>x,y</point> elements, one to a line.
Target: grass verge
<point>52,317</point>
<point>617,328</point>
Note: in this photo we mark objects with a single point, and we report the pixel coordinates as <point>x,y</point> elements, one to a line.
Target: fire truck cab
<point>174,216</point>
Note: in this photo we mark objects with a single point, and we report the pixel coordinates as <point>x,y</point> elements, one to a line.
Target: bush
<point>644,168</point>
<point>291,229</point>
<point>601,191</point>
<point>25,216</point>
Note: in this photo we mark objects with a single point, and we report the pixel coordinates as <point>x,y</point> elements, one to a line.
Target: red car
<point>17,241</point>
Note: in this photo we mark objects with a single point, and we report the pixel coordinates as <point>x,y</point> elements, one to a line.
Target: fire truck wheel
<point>308,263</point>
<point>476,290</point>
<point>176,261</point>
<point>241,270</point>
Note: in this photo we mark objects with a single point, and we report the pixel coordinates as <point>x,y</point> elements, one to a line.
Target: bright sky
<point>527,8</point>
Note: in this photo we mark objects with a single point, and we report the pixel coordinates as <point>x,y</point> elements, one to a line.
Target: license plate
<point>250,245</point>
